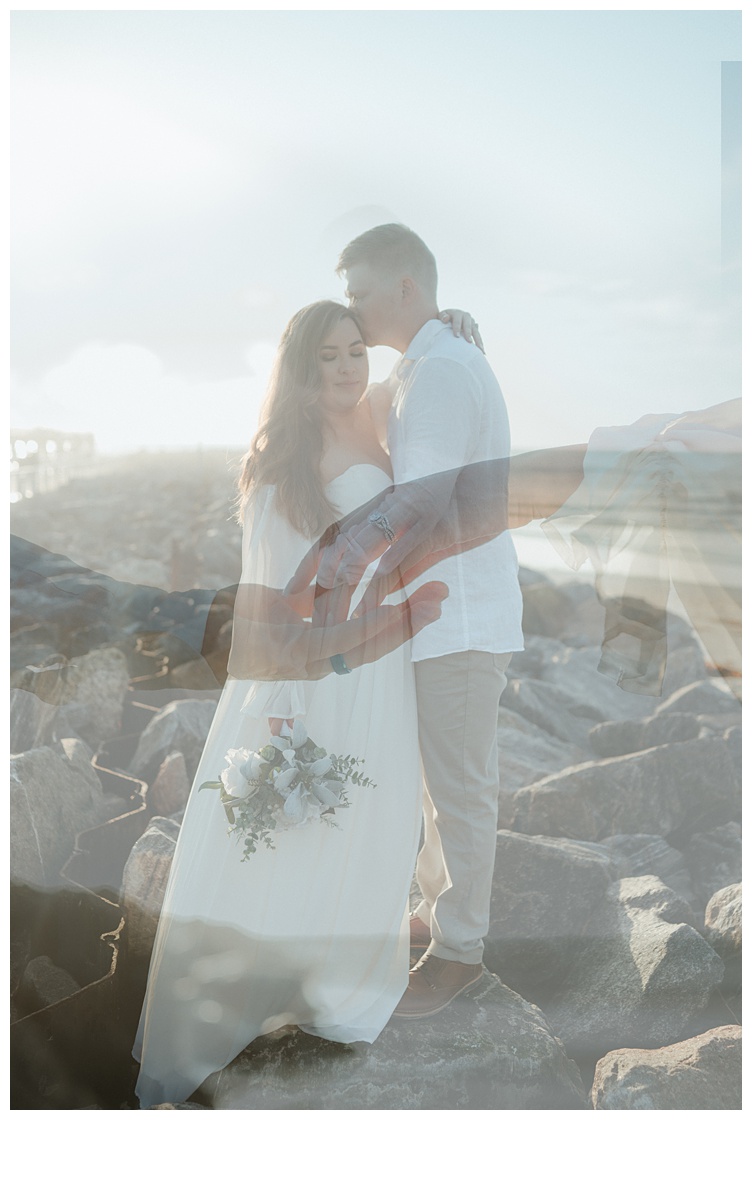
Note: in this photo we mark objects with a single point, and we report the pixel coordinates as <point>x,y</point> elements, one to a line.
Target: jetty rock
<point>55,794</point>
<point>701,1072</point>
<point>675,790</point>
<point>181,725</point>
<point>642,977</point>
<point>544,893</point>
<point>723,929</point>
<point>489,1049</point>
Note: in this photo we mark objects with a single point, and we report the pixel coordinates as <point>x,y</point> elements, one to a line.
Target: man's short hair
<point>392,249</point>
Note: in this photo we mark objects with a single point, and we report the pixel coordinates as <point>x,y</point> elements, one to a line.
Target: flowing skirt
<point>312,933</point>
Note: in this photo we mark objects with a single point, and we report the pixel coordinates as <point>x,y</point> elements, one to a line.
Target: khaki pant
<point>458,701</point>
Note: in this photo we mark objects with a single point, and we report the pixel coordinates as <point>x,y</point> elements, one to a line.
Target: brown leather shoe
<point>434,983</point>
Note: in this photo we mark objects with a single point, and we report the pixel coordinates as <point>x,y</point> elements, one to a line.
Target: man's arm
<point>436,517</point>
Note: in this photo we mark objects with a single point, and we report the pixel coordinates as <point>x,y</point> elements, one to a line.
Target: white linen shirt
<point>448,411</point>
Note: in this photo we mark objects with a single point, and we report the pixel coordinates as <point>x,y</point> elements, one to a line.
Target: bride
<point>314,932</point>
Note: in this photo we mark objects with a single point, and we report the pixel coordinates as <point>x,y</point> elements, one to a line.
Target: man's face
<point>376,298</point>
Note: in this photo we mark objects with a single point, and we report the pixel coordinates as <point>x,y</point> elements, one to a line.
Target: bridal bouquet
<point>287,783</point>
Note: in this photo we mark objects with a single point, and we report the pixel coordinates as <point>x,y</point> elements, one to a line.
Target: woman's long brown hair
<point>287,448</point>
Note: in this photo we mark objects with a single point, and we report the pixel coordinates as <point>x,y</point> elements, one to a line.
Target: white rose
<point>252,767</point>
<point>235,783</point>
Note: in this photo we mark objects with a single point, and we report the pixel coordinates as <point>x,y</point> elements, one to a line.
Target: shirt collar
<point>420,344</point>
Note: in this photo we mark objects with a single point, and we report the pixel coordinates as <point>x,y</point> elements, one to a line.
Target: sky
<point>184,181</point>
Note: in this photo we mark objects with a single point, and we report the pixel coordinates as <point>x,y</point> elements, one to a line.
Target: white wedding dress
<point>315,932</point>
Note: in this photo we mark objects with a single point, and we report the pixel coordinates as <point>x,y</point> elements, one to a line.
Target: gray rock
<point>723,921</point>
<point>642,976</point>
<point>714,859</point>
<point>647,854</point>
<point>575,673</point>
<point>32,720</point>
<point>487,1050</point>
<point>723,929</point>
<point>685,664</point>
<point>615,738</point>
<point>195,675</point>
<point>55,794</point>
<point>145,877</point>
<point>94,693</point>
<point>182,725</point>
<point>701,1072</point>
<point>547,609</point>
<point>170,790</point>
<point>527,753</point>
<point>150,572</point>
<point>547,706</point>
<point>545,891</point>
<point>648,893</point>
<point>667,790</point>
<point>707,696</point>
<point>43,983</point>
<point>530,662</point>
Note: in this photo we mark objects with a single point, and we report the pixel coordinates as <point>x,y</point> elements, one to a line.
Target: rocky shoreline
<point>613,958</point>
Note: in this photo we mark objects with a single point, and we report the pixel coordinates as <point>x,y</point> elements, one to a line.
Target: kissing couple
<point>317,932</point>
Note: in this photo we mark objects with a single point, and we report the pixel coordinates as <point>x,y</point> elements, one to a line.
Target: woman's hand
<point>462,323</point>
<point>272,639</point>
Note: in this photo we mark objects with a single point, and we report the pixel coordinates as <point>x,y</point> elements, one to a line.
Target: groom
<point>448,411</point>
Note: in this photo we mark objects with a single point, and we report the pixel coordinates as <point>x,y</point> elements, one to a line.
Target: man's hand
<point>432,519</point>
<point>272,639</point>
<point>427,525</point>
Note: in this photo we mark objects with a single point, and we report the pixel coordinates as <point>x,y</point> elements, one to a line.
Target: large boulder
<point>547,609</point>
<point>94,693</point>
<point>550,709</point>
<point>182,725</point>
<point>705,696</point>
<point>714,860</point>
<point>723,921</point>
<point>171,788</point>
<point>575,672</point>
<point>647,854</point>
<point>531,662</point>
<point>723,929</point>
<point>667,790</point>
<point>526,754</point>
<point>487,1050</point>
<point>642,976</point>
<point>43,983</point>
<point>701,1072</point>
<point>615,738</point>
<point>55,794</point>
<point>145,877</point>
<point>545,891</point>
<point>32,720</point>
